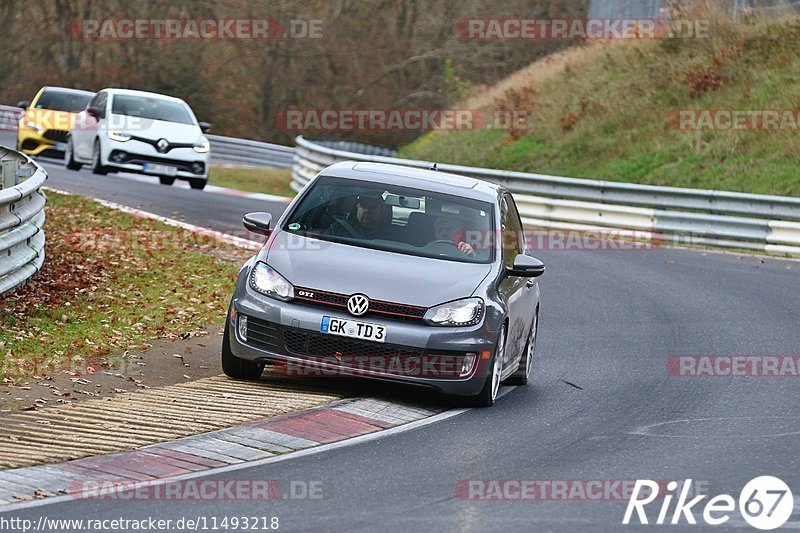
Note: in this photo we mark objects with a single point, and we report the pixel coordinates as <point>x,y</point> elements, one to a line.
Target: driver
<point>370,220</point>
<point>450,229</point>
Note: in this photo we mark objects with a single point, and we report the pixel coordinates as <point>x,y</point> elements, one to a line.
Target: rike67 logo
<point>765,503</point>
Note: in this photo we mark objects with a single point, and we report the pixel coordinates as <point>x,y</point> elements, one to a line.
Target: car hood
<point>50,119</point>
<point>174,132</point>
<point>387,276</point>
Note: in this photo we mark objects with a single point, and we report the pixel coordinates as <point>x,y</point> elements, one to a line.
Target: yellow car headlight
<point>35,126</point>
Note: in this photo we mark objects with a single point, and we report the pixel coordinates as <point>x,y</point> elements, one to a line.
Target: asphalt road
<point>602,405</point>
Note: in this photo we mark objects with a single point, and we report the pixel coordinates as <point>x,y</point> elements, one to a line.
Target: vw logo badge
<point>162,145</point>
<point>358,304</point>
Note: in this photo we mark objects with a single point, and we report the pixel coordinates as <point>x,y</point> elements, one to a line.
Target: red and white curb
<point>250,444</point>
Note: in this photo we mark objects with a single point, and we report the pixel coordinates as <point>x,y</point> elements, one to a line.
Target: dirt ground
<point>166,362</point>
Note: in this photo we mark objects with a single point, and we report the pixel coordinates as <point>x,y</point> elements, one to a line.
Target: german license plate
<point>164,170</point>
<point>351,328</point>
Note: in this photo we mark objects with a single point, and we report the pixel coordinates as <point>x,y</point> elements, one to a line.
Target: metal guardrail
<point>21,218</point>
<point>687,216</point>
<point>232,151</point>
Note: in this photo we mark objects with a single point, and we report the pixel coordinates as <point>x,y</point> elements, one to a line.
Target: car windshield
<point>70,101</point>
<point>152,108</point>
<point>395,219</point>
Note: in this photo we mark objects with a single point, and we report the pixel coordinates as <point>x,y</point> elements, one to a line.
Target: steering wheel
<point>346,225</point>
<point>443,241</point>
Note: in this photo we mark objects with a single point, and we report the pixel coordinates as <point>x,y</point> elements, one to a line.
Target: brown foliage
<point>373,54</point>
<point>519,107</point>
<point>710,78</point>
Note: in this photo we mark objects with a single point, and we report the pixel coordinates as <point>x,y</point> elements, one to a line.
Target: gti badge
<point>358,304</point>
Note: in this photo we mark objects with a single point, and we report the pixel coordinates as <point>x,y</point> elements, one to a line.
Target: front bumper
<point>50,143</point>
<point>288,333</point>
<point>131,156</point>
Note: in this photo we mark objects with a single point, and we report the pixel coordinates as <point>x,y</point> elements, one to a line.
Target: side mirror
<point>93,112</point>
<point>204,126</point>
<point>24,104</point>
<point>527,267</point>
<point>258,222</point>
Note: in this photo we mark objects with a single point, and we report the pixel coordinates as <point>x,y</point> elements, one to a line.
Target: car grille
<point>137,159</point>
<point>376,307</point>
<point>56,135</point>
<point>262,334</point>
<point>352,353</point>
<point>364,355</point>
<point>29,144</point>
<point>317,345</point>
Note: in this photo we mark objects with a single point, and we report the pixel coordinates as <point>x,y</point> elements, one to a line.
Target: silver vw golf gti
<point>390,273</point>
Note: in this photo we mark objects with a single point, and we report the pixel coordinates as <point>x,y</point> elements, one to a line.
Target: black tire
<point>525,370</point>
<point>197,183</point>
<point>69,158</point>
<point>166,180</point>
<point>488,394</point>
<point>97,168</point>
<point>236,367</point>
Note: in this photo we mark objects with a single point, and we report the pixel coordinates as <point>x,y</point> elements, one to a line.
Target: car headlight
<point>201,147</point>
<point>117,136</point>
<point>466,312</point>
<point>266,280</point>
<point>35,126</point>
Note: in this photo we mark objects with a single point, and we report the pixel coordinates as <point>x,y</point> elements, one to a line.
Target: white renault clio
<point>142,132</point>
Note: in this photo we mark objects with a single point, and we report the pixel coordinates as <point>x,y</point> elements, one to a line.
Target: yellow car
<point>48,119</point>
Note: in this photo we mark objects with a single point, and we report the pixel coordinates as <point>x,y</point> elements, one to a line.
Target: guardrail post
<point>8,169</point>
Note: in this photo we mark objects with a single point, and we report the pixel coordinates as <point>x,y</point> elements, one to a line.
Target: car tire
<point>236,367</point>
<point>97,167</point>
<point>69,158</point>
<point>166,180</point>
<point>197,183</point>
<point>488,394</point>
<point>525,370</point>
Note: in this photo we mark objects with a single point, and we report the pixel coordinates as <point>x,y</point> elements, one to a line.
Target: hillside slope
<point>606,111</point>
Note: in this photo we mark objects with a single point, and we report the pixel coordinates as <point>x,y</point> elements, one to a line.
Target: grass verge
<point>111,282</point>
<point>264,180</point>
<point>607,110</point>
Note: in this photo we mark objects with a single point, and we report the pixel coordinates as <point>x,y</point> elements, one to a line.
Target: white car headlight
<point>35,126</point>
<point>266,280</point>
<point>466,312</point>
<point>117,136</point>
<point>201,147</point>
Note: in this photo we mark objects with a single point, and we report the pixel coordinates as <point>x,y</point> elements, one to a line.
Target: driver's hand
<point>466,249</point>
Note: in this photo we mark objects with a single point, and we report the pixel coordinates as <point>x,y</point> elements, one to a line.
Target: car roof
<point>432,180</point>
<point>132,92</point>
<point>67,90</point>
